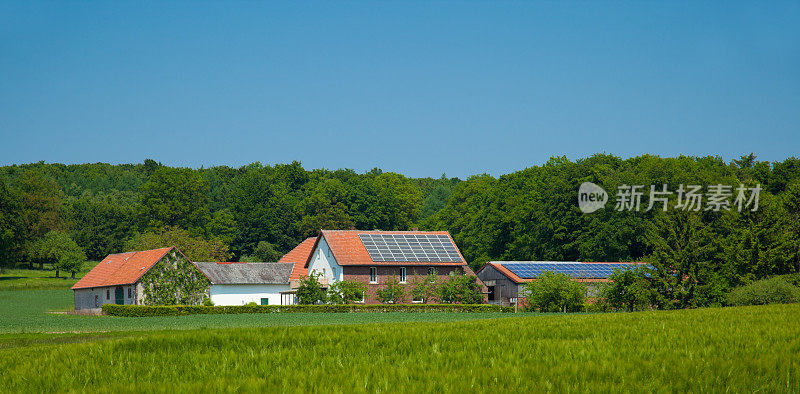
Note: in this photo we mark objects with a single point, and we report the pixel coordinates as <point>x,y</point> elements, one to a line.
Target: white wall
<point>85,298</point>
<point>322,261</point>
<point>243,294</point>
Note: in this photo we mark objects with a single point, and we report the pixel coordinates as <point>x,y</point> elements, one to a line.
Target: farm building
<point>242,283</point>
<point>372,257</point>
<point>505,279</point>
<point>142,278</point>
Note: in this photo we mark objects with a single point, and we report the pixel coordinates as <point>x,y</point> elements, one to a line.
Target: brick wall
<point>362,274</point>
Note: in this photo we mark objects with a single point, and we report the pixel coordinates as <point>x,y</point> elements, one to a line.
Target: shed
<point>242,283</point>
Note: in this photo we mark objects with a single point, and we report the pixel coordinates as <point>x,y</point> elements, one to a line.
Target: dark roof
<point>247,273</point>
<point>525,271</point>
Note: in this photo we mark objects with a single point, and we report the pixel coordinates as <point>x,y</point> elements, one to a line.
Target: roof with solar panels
<point>526,271</point>
<point>357,247</point>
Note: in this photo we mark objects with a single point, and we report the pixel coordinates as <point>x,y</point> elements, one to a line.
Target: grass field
<point>26,279</point>
<point>726,349</point>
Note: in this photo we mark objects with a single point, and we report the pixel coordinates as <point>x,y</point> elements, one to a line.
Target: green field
<point>27,279</point>
<point>724,349</point>
<point>730,349</point>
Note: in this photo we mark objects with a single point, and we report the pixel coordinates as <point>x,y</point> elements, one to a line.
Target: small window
<point>431,270</point>
<point>417,300</point>
<point>265,301</point>
<point>108,294</point>
<point>130,292</point>
<point>373,275</point>
<point>96,301</point>
<point>402,274</point>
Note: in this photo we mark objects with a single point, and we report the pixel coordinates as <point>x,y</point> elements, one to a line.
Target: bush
<point>310,291</point>
<point>180,310</point>
<point>768,291</point>
<point>553,292</point>
<point>392,293</point>
<point>629,290</point>
<point>461,289</point>
<point>208,302</point>
<point>346,292</point>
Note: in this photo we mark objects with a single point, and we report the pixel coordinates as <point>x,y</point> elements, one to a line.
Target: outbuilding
<point>243,283</point>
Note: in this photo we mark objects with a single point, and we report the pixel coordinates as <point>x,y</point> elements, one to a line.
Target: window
<point>373,275</point>
<point>108,294</point>
<point>130,292</point>
<point>96,301</point>
<point>431,270</point>
<point>417,300</point>
<point>402,274</point>
<point>265,301</point>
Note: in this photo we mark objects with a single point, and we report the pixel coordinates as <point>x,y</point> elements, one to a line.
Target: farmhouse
<point>372,257</point>
<point>505,279</point>
<point>159,276</point>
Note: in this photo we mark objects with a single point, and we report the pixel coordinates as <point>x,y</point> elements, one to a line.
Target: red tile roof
<point>299,255</point>
<point>348,249</point>
<point>122,268</point>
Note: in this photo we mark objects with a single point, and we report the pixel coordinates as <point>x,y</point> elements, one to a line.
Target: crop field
<point>740,349</point>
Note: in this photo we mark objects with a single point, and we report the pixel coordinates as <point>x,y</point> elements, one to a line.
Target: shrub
<point>552,292</point>
<point>392,293</point>
<point>251,303</point>
<point>310,291</point>
<point>629,290</point>
<point>346,292</point>
<point>461,289</point>
<point>768,291</point>
<point>208,302</point>
<point>180,310</point>
<point>424,287</point>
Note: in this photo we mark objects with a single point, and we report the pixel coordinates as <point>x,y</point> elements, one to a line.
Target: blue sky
<point>419,88</point>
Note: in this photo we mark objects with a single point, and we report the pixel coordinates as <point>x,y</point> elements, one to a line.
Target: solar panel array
<point>576,270</point>
<point>410,247</point>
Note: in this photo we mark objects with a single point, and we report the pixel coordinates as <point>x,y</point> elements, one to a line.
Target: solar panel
<point>410,247</point>
<point>574,269</point>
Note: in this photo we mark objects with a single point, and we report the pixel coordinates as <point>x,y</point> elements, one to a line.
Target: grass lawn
<point>35,279</point>
<point>725,349</point>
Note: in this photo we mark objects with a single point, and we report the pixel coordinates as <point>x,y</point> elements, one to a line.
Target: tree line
<point>258,212</point>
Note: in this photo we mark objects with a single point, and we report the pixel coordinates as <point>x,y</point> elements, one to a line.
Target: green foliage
<point>264,252</point>
<point>174,197</point>
<point>252,307</point>
<point>195,248</point>
<point>392,292</point>
<point>554,292</point>
<point>424,287</point>
<point>346,292</point>
<point>629,290</point>
<point>174,281</point>
<point>460,289</point>
<point>208,302</point>
<point>765,291</point>
<point>57,248</point>
<point>310,291</point>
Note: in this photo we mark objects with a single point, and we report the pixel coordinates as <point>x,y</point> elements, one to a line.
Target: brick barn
<point>372,257</point>
<point>142,278</point>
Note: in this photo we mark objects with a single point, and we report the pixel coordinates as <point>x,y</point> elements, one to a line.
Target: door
<point>119,294</point>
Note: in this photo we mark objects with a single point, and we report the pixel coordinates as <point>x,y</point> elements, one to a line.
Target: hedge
<point>180,310</point>
<point>767,291</point>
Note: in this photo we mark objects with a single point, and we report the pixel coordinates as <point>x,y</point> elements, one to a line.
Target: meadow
<point>724,349</point>
<point>34,279</point>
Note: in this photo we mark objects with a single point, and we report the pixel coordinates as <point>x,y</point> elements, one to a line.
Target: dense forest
<point>258,212</point>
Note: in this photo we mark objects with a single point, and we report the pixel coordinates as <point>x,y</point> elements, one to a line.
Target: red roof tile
<point>299,255</point>
<point>121,269</point>
<point>348,249</point>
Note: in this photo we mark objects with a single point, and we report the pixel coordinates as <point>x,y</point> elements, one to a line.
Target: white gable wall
<point>322,261</point>
<point>244,294</point>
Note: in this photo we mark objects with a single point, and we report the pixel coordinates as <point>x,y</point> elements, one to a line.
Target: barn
<point>505,279</point>
<point>141,278</point>
<point>243,283</point>
<point>372,257</point>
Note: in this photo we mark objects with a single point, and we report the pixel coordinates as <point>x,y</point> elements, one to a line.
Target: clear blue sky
<point>418,88</point>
